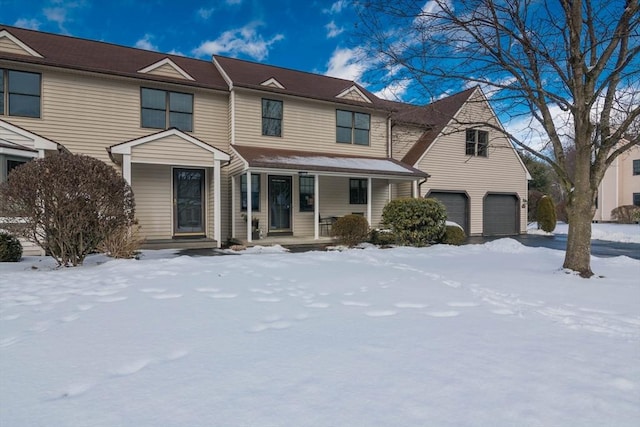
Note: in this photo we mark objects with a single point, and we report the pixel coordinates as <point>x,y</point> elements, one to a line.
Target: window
<point>358,191</point>
<point>477,142</point>
<point>636,167</point>
<point>255,193</point>
<point>307,191</point>
<point>636,199</point>
<point>11,164</point>
<point>271,117</point>
<point>163,110</point>
<point>352,128</point>
<point>20,93</point>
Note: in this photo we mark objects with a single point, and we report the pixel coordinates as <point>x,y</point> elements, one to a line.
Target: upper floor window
<point>352,127</point>
<point>477,142</point>
<point>636,167</point>
<point>255,192</point>
<point>20,93</point>
<point>162,109</point>
<point>271,117</point>
<point>358,191</point>
<point>307,191</point>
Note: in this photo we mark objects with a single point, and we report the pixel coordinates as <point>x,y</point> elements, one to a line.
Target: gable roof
<point>251,75</point>
<point>100,57</point>
<point>433,117</point>
<point>270,158</point>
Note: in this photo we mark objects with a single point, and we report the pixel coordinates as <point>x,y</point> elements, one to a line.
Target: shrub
<point>416,222</point>
<point>454,235</point>
<point>382,237</point>
<point>10,248</point>
<point>350,229</point>
<point>546,214</point>
<point>67,204</point>
<point>122,243</point>
<point>627,214</point>
<point>532,204</point>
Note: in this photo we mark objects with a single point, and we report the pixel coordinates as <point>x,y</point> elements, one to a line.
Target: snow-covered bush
<point>10,248</point>
<point>350,230</point>
<point>67,204</point>
<point>454,235</point>
<point>415,222</point>
<point>382,237</point>
<point>546,214</point>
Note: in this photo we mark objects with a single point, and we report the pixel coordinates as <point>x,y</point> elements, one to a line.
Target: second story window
<point>636,167</point>
<point>20,93</point>
<point>163,109</point>
<point>352,127</point>
<point>271,117</point>
<point>477,142</point>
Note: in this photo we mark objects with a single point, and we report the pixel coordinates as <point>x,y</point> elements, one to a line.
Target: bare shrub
<point>122,243</point>
<point>67,204</point>
<point>351,229</point>
<point>626,214</point>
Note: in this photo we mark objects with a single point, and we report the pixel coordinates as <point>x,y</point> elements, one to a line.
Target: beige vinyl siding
<point>307,125</point>
<point>451,169</point>
<point>380,197</point>
<point>404,137</point>
<point>401,189</point>
<point>166,70</point>
<point>152,188</point>
<point>88,113</point>
<point>629,183</point>
<point>7,45</point>
<point>171,150</point>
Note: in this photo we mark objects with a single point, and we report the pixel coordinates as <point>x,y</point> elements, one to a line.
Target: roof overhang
<point>260,159</point>
<point>39,142</point>
<point>11,149</point>
<point>126,147</point>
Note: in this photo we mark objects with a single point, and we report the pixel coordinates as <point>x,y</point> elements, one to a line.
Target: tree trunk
<point>578,255</point>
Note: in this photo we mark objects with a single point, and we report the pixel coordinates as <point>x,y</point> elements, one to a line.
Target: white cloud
<point>395,91</point>
<point>145,43</point>
<point>336,7</point>
<point>31,24</point>
<point>56,14</point>
<point>232,2</point>
<point>205,13</point>
<point>333,30</point>
<point>346,64</point>
<point>239,41</point>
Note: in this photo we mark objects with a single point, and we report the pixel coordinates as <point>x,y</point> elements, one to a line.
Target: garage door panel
<point>457,205</point>
<point>500,215</point>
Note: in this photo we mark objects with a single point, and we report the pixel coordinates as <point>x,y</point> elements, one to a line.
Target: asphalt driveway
<point>601,248</point>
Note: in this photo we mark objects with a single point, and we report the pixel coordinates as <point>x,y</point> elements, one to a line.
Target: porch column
<point>249,207</point>
<point>126,168</point>
<point>233,206</point>
<point>369,191</point>
<point>217,229</point>
<point>316,207</point>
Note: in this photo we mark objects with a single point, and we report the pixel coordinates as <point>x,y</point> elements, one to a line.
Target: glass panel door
<point>188,200</point>
<point>279,203</point>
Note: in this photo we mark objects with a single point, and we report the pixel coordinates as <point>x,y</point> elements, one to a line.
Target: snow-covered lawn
<point>479,335</point>
<point>627,233</point>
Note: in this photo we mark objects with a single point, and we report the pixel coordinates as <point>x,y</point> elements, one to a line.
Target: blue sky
<point>304,35</point>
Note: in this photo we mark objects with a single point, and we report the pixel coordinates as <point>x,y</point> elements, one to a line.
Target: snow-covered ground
<point>627,233</point>
<point>478,335</point>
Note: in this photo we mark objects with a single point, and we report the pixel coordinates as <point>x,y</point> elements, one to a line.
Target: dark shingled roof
<point>259,157</point>
<point>251,75</point>
<point>433,117</point>
<point>100,57</point>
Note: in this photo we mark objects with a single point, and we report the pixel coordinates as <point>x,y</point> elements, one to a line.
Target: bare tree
<point>571,66</point>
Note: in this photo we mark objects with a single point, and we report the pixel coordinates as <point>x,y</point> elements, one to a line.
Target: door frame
<point>289,230</point>
<point>174,203</point>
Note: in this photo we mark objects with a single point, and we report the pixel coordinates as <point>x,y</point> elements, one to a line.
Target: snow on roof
<point>381,165</point>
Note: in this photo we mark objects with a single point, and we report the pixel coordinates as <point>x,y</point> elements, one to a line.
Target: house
<point>227,148</point>
<point>474,169</point>
<point>620,185</point>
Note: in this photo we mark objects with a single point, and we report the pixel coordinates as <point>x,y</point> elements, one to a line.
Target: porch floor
<point>290,241</point>
<point>202,243</point>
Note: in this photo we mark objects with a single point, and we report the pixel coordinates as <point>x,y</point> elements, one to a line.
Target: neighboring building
<point>474,170</point>
<point>620,185</point>
<point>192,137</point>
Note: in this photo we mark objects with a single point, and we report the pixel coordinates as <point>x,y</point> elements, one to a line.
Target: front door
<point>279,204</point>
<point>188,201</point>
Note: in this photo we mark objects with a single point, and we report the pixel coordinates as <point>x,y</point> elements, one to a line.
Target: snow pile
<point>483,335</point>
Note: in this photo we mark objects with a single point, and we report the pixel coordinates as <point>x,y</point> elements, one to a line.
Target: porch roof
<point>271,158</point>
